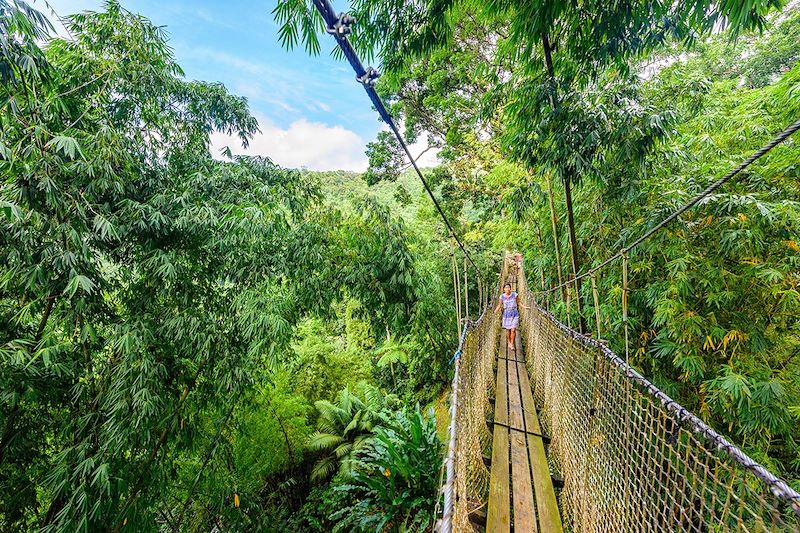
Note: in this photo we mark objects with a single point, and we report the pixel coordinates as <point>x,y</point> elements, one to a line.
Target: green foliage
<point>395,484</point>
<point>168,320</point>
<point>385,159</point>
<point>226,464</point>
<point>274,424</point>
<point>323,502</point>
<point>392,352</point>
<point>631,110</point>
<point>271,422</point>
<point>358,333</point>
<point>21,26</point>
<point>401,33</point>
<point>151,364</point>
<point>345,427</point>
<point>125,258</point>
<point>322,366</point>
<point>713,306</point>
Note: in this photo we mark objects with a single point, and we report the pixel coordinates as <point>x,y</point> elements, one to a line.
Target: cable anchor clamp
<point>342,26</point>
<point>370,77</point>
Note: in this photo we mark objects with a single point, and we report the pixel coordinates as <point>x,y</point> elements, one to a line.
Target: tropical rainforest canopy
<point>191,341</point>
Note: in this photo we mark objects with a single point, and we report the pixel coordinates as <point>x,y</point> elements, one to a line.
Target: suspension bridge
<point>558,432</point>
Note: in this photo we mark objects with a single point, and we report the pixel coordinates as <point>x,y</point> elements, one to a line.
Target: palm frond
<point>323,441</point>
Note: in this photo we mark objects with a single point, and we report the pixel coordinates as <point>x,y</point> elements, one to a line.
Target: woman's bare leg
<point>512,336</point>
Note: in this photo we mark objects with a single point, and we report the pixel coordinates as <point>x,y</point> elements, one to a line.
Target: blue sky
<point>311,110</point>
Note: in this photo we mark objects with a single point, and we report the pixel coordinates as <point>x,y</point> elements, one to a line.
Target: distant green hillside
<point>344,189</point>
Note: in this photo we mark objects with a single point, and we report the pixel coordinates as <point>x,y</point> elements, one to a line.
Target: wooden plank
<point>498,518</point>
<point>518,345</point>
<point>514,353</point>
<point>528,407</point>
<point>515,417</point>
<point>501,393</point>
<point>512,374</point>
<point>505,351</point>
<point>526,475</point>
<point>524,513</point>
<point>546,504</point>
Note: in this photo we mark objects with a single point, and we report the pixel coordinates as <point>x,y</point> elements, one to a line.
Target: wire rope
<point>340,26</point>
<point>778,139</point>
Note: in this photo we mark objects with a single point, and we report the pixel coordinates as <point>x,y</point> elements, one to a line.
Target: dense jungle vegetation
<point>192,342</point>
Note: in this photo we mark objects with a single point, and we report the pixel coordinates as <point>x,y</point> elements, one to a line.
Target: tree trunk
<point>553,221</point>
<point>541,245</point>
<point>573,244</point>
<point>567,178</point>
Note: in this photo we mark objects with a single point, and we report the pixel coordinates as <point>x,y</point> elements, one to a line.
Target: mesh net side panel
<point>628,461</point>
<point>473,438</point>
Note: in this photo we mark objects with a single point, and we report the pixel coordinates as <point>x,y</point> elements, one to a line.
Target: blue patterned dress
<point>510,311</point>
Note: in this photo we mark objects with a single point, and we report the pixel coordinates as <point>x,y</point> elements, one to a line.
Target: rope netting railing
<point>633,459</point>
<point>466,486</point>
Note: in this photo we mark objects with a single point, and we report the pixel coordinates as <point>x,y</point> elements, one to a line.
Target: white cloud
<point>312,145</point>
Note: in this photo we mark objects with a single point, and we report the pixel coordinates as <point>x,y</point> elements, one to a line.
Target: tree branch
<point>206,460</point>
<point>408,165</point>
<point>137,488</point>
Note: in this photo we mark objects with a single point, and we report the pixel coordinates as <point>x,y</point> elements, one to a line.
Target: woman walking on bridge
<point>509,301</point>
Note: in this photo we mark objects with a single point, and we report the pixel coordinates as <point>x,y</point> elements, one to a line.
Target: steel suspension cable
<point>340,26</point>
<point>781,137</point>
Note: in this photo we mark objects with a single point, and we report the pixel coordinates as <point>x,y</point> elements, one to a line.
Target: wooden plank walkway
<point>521,495</point>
